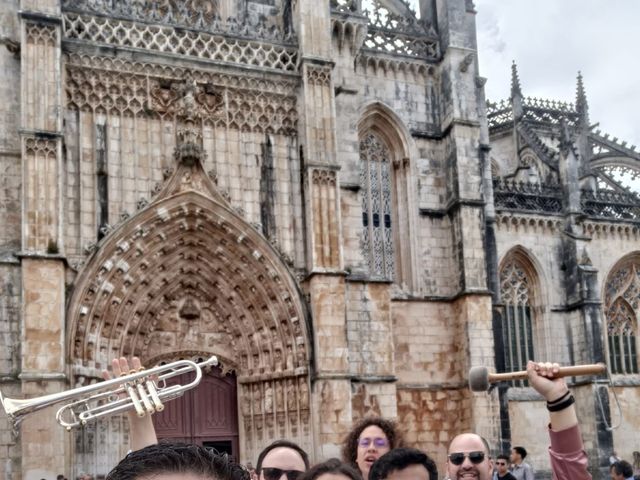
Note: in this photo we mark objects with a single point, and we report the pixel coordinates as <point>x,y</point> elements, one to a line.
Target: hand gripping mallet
<point>480,378</point>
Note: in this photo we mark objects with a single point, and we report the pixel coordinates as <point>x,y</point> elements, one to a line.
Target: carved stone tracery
<point>622,310</point>
<point>136,94</point>
<point>208,46</point>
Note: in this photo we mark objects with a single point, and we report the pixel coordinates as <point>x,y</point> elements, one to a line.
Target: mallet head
<point>479,379</point>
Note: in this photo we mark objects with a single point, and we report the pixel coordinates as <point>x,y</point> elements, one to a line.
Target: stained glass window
<point>622,302</point>
<point>377,233</point>
<point>516,291</point>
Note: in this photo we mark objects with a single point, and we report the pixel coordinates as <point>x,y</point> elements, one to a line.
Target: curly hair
<point>350,444</point>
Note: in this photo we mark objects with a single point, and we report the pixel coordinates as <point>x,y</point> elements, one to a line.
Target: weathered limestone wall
<point>10,310</point>
<point>528,421</point>
<point>10,171</point>
<point>625,438</point>
<point>45,445</point>
<point>139,149</point>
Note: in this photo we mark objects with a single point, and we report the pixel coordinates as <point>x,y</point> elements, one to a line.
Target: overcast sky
<point>551,40</point>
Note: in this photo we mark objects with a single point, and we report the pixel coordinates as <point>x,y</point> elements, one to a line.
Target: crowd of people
<point>373,450</point>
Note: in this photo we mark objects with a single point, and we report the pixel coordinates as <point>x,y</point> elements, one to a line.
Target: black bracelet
<point>566,394</point>
<point>556,407</point>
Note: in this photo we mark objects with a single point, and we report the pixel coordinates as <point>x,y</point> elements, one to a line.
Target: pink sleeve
<point>568,458</point>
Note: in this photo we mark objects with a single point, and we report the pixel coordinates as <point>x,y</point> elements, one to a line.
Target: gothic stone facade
<point>305,190</point>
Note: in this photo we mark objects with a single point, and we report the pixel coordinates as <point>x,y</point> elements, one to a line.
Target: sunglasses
<point>474,457</point>
<point>378,442</point>
<point>276,474</point>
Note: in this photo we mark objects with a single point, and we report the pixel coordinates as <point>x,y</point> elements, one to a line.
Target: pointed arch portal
<point>189,277</point>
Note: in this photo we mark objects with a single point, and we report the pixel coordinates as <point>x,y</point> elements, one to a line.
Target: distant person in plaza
<point>404,464</point>
<point>636,465</point>
<point>367,441</point>
<point>613,458</point>
<point>332,469</point>
<point>621,470</point>
<point>520,469</point>
<point>176,461</point>
<point>502,468</point>
<point>468,453</point>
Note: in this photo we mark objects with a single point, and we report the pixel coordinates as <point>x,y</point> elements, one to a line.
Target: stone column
<point>44,443</point>
<point>461,124</point>
<point>317,133</point>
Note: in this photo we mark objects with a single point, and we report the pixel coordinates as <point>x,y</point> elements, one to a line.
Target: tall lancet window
<point>517,291</point>
<point>377,234</point>
<point>622,305</point>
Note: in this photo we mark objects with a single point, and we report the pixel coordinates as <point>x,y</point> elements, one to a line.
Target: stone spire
<point>582,138</point>
<point>515,81</point>
<point>582,107</point>
<point>516,92</point>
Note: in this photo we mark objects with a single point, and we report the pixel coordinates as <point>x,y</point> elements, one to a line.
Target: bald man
<point>468,454</point>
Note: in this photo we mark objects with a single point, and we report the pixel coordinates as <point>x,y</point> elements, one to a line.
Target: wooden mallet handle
<point>480,378</point>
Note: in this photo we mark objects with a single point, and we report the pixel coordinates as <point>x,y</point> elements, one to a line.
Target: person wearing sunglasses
<point>468,453</point>
<point>281,460</point>
<point>367,441</point>
<point>404,464</point>
<point>502,468</point>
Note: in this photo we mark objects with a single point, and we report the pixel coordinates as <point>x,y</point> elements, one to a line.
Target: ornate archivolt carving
<point>124,33</point>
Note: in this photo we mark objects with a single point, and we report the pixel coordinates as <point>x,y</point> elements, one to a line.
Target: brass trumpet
<point>144,391</point>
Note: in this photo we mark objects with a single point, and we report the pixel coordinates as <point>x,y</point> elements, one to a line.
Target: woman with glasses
<point>368,440</point>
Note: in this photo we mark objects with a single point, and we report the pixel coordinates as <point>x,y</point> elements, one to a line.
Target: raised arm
<point>141,429</point>
<point>568,458</point>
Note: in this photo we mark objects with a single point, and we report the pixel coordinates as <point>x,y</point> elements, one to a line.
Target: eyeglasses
<point>501,463</point>
<point>378,442</point>
<point>474,457</point>
<point>276,474</point>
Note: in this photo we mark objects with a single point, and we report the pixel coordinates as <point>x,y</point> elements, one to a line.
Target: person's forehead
<point>284,458</point>
<point>333,476</point>
<point>467,442</point>
<point>373,431</point>
<point>411,472</point>
<point>175,476</point>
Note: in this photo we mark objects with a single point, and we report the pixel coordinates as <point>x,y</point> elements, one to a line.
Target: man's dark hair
<point>335,466</point>
<point>399,459</point>
<point>502,456</point>
<point>282,444</point>
<point>622,467</point>
<point>521,451</point>
<point>177,458</point>
<point>350,445</point>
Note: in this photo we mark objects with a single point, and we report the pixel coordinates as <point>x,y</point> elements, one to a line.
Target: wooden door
<point>206,415</point>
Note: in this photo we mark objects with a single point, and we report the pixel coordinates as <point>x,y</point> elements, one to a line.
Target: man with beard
<point>468,456</point>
